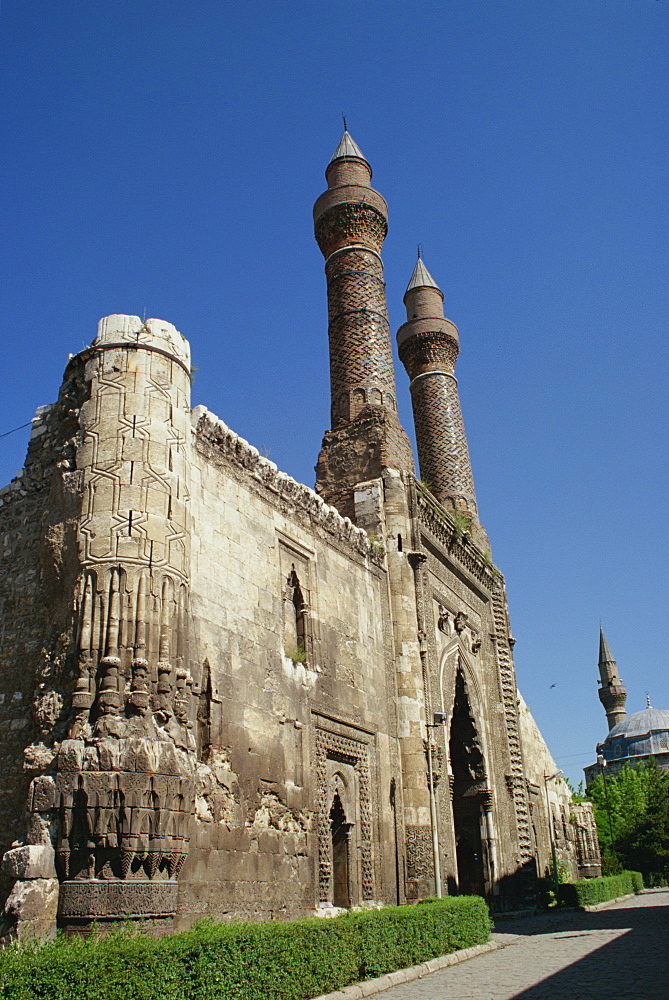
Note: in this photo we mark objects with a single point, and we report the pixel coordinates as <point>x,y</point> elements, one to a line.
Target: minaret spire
<point>351,222</point>
<point>428,347</point>
<point>612,693</point>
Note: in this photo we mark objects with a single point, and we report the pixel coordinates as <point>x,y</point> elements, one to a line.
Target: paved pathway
<point>620,953</point>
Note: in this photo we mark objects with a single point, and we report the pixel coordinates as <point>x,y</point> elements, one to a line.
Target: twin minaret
<point>428,347</point>
<point>351,222</point>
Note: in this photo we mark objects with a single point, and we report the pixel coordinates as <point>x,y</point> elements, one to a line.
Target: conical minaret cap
<point>605,655</point>
<point>421,278</point>
<point>347,147</point>
<point>612,693</point>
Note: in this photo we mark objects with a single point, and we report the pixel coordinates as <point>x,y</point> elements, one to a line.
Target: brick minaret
<point>428,347</point>
<point>612,693</point>
<point>351,222</point>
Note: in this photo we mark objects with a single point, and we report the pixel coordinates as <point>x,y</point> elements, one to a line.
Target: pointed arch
<point>454,657</point>
<point>339,834</point>
<point>468,768</point>
<point>297,615</point>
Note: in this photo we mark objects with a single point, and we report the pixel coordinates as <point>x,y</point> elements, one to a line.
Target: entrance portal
<point>340,842</point>
<point>469,847</point>
<point>468,771</point>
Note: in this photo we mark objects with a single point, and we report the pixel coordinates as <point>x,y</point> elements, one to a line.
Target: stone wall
<point>39,513</point>
<point>138,553</point>
<point>289,613</point>
<point>223,697</point>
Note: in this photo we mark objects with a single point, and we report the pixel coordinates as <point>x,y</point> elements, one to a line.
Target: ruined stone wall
<point>289,643</point>
<point>38,567</point>
<point>216,687</point>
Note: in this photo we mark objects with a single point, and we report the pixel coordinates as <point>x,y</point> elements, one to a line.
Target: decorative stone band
<point>125,345</point>
<point>350,222</point>
<point>435,519</point>
<point>419,857</point>
<point>87,900</point>
<point>352,246</point>
<point>435,372</point>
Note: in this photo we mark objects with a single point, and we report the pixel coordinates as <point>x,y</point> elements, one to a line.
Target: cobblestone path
<point>620,953</point>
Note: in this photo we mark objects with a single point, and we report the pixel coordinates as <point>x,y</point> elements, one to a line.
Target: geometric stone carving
<point>124,777</point>
<point>420,863</point>
<point>333,747</point>
<point>116,899</point>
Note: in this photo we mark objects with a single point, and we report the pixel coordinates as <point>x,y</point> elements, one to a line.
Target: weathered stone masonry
<point>221,692</point>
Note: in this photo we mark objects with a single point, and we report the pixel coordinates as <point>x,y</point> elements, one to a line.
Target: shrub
<point>589,892</point>
<point>400,936</point>
<point>240,961</point>
<point>655,880</point>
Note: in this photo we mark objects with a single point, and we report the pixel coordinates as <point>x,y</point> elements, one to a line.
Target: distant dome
<point>648,720</point>
<point>636,737</point>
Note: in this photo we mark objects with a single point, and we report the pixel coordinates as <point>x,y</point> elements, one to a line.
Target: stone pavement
<point>618,953</point>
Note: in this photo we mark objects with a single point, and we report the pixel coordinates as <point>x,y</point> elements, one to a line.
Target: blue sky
<point>164,156</point>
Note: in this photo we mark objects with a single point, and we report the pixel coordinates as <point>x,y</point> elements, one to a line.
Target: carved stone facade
<point>223,693</point>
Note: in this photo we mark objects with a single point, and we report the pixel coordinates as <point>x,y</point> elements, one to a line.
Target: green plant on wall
<point>463,524</point>
<point>297,655</point>
<point>376,543</point>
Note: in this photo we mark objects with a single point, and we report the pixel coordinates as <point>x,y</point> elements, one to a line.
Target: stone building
<point>633,738</point>
<point>562,829</point>
<point>224,693</point>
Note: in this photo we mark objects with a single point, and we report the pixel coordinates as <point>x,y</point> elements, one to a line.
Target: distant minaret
<point>428,347</point>
<point>613,693</point>
<point>351,222</point>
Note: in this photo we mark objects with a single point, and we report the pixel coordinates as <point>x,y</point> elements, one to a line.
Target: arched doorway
<point>339,830</point>
<point>468,776</point>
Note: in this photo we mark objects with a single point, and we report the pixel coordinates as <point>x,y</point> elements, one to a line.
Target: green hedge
<point>655,880</point>
<point>590,891</point>
<point>269,961</point>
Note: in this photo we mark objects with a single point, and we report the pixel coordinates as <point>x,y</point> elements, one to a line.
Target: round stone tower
<point>428,348</point>
<point>351,222</point>
<point>124,786</point>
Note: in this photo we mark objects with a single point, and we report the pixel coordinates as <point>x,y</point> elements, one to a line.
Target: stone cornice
<point>444,530</point>
<point>213,432</point>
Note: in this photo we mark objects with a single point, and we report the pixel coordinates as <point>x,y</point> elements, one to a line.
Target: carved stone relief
<point>333,747</point>
<point>420,863</point>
